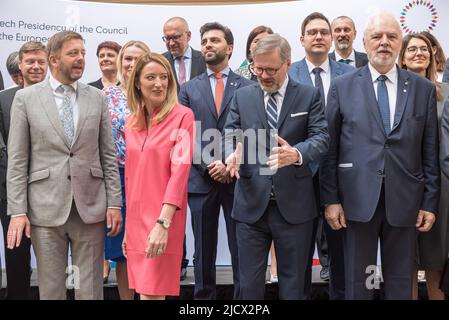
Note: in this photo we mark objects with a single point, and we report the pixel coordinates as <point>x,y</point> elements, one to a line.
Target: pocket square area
<point>345,165</point>
<point>298,114</point>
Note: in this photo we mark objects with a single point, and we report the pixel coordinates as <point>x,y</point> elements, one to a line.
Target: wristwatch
<point>164,223</point>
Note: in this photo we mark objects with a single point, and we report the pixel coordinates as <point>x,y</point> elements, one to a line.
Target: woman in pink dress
<point>159,151</point>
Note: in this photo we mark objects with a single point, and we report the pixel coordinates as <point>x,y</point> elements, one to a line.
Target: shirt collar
<point>225,71</point>
<point>350,57</point>
<point>325,66</point>
<point>392,75</point>
<point>188,53</point>
<point>282,89</point>
<point>55,84</point>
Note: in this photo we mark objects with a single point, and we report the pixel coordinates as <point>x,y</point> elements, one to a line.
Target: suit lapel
<point>402,95</point>
<point>366,88</point>
<point>232,84</point>
<point>194,67</point>
<point>287,104</point>
<point>304,74</point>
<point>335,69</point>
<point>206,90</point>
<point>49,105</point>
<point>83,103</point>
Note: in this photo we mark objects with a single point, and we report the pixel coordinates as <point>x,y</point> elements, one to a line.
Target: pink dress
<point>156,172</point>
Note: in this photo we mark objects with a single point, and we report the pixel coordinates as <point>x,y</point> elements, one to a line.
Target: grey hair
<point>12,63</point>
<point>271,43</point>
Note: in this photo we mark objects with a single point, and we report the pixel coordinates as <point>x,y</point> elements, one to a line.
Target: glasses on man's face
<point>414,50</point>
<point>175,38</point>
<point>258,70</point>
<point>314,32</point>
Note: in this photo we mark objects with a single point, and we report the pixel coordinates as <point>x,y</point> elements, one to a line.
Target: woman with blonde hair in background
<point>159,153</point>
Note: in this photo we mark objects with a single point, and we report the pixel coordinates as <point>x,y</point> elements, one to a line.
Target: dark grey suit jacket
<point>362,157</point>
<point>302,124</point>
<point>361,59</point>
<point>2,85</point>
<point>6,99</point>
<point>198,65</point>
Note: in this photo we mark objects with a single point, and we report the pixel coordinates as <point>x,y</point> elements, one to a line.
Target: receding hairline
<point>343,18</point>
<point>380,17</point>
<point>181,20</point>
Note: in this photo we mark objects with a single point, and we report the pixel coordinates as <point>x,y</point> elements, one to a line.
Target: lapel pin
<point>405,90</point>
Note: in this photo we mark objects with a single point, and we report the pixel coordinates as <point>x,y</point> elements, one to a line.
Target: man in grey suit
<point>316,69</point>
<point>33,65</point>
<point>62,178</point>
<point>343,34</point>
<point>274,196</point>
<point>380,178</point>
<point>186,62</point>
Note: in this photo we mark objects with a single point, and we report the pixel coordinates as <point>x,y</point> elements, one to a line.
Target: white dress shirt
<point>392,88</point>
<point>325,75</point>
<point>58,95</point>
<point>350,57</point>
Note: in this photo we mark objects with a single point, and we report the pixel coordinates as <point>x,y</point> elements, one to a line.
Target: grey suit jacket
<point>45,173</point>
<point>2,85</point>
<point>198,65</point>
<point>446,72</point>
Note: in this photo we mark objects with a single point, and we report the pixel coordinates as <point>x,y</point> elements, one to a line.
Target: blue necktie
<point>319,84</point>
<point>272,111</point>
<point>382,101</point>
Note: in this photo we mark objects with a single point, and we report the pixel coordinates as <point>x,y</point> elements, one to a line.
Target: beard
<point>67,72</point>
<point>216,58</point>
<point>270,89</point>
<point>343,44</point>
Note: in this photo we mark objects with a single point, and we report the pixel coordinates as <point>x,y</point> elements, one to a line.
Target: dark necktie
<point>319,84</point>
<point>383,103</point>
<point>272,111</point>
<point>347,61</point>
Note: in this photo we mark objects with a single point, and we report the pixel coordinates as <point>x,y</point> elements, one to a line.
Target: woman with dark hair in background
<point>254,36</point>
<point>107,53</point>
<point>416,55</point>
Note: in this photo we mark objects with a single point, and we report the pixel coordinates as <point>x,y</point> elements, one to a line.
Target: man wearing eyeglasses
<point>316,69</point>
<point>186,62</point>
<point>343,34</point>
<point>274,196</point>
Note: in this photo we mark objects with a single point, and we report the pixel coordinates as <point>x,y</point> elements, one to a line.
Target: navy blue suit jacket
<point>361,154</point>
<point>197,95</point>
<point>300,72</point>
<point>302,124</point>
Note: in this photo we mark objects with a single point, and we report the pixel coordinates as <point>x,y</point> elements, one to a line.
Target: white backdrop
<point>24,20</point>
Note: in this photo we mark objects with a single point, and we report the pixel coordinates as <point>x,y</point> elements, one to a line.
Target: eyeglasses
<point>258,71</point>
<point>414,49</point>
<point>175,38</point>
<point>314,32</point>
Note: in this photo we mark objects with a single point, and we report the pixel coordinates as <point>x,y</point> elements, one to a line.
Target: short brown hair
<point>31,46</point>
<point>314,16</point>
<point>110,45</point>
<point>57,40</point>
<point>134,93</point>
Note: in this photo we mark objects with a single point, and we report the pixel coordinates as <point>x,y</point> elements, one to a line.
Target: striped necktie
<point>272,111</point>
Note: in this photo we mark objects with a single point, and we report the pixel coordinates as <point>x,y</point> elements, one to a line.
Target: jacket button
<point>69,177</point>
<point>71,154</point>
<point>387,146</point>
<point>380,172</point>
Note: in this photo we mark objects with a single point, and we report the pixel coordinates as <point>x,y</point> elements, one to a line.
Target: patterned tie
<point>182,70</point>
<point>319,84</point>
<point>272,111</point>
<point>219,90</point>
<point>67,113</point>
<point>382,101</point>
<point>347,61</point>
